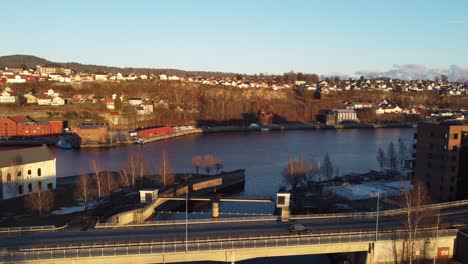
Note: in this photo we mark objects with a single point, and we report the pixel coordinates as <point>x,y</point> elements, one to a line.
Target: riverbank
<point>303,127</point>
<point>144,140</point>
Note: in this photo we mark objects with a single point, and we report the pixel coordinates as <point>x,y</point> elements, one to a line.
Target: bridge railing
<point>21,229</point>
<point>209,245</point>
<point>190,221</point>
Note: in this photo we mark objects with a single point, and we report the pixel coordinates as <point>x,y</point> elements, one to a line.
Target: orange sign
<point>443,253</point>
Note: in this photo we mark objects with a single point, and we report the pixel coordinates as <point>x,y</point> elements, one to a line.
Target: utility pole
<point>377,218</point>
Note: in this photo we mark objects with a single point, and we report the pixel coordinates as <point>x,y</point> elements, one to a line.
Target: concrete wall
<point>391,251</point>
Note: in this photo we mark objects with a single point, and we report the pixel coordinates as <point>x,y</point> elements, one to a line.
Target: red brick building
<point>22,126</point>
<point>91,133</point>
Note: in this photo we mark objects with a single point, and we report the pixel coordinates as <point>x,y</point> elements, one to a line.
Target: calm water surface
<point>262,154</point>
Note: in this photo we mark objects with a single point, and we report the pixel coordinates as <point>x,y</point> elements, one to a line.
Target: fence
<point>21,229</point>
<point>238,243</point>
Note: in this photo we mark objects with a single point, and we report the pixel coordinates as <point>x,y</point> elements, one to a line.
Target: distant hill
<point>30,62</point>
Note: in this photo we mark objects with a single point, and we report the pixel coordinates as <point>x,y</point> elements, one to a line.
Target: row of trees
<point>393,159</point>
<point>207,162</point>
<point>298,170</point>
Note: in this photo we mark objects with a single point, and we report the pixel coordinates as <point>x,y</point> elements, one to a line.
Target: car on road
<point>298,229</point>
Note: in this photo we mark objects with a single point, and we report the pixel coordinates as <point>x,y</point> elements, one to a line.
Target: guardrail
<point>210,245</point>
<point>191,222</point>
<point>21,229</point>
<point>430,207</point>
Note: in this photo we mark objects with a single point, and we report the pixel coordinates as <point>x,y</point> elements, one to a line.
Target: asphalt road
<point>219,230</point>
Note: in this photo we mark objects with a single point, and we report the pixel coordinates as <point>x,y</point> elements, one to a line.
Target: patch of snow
<point>370,189</point>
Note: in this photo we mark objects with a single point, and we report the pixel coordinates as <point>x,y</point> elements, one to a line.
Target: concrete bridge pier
<point>215,209</point>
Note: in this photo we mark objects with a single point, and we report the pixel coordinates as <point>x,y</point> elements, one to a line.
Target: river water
<point>263,155</point>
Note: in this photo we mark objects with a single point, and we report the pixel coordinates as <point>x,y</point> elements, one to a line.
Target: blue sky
<point>247,36</point>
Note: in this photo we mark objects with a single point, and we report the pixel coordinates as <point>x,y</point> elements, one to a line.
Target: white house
<point>100,77</point>
<point>58,101</point>
<point>135,101</point>
<point>23,171</point>
<point>44,100</point>
<point>52,93</point>
<point>173,78</point>
<point>16,79</point>
<point>145,109</point>
<point>8,97</point>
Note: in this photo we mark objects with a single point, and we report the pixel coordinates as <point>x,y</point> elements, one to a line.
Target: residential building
<point>135,101</point>
<point>24,171</point>
<point>337,116</point>
<point>52,69</point>
<point>441,160</point>
<point>43,99</point>
<point>30,98</point>
<point>8,97</point>
<point>110,104</point>
<point>91,132</point>
<point>57,101</point>
<point>145,109</point>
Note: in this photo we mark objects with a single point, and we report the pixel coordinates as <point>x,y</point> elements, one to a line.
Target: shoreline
<point>51,141</point>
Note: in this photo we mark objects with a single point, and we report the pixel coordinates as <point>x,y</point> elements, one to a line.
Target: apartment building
<point>441,159</point>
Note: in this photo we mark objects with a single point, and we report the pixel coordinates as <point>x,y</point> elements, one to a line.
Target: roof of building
<point>25,156</point>
<point>21,119</point>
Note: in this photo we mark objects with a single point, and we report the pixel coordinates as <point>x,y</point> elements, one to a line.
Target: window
<point>29,187</point>
<point>29,172</point>
<point>445,135</point>
<point>455,148</point>
<point>8,177</point>
<point>49,186</point>
<point>39,172</point>
<point>39,186</point>
<point>455,136</point>
<point>18,174</point>
<point>445,147</point>
<point>20,189</point>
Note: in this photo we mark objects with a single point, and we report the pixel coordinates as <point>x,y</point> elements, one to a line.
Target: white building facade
<point>24,171</point>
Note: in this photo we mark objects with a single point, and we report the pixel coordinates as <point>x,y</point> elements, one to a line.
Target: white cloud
<point>419,72</point>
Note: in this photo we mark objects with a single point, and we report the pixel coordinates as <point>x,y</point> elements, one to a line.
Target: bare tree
<point>166,173</point>
<point>327,167</point>
<point>296,171</point>
<point>208,162</point>
<point>218,164</point>
<point>110,184</point>
<point>413,200</point>
<point>40,201</point>
<point>381,158</point>
<point>98,178</point>
<point>197,162</point>
<point>124,178</point>
<point>392,156</point>
<point>83,189</point>
<point>133,163</point>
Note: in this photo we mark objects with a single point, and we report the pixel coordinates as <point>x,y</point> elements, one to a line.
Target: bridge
<point>231,240</point>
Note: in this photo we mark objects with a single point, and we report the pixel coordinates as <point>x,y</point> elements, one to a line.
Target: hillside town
<point>58,73</point>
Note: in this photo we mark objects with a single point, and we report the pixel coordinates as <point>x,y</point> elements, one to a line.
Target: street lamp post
<point>186,219</point>
<point>377,218</point>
